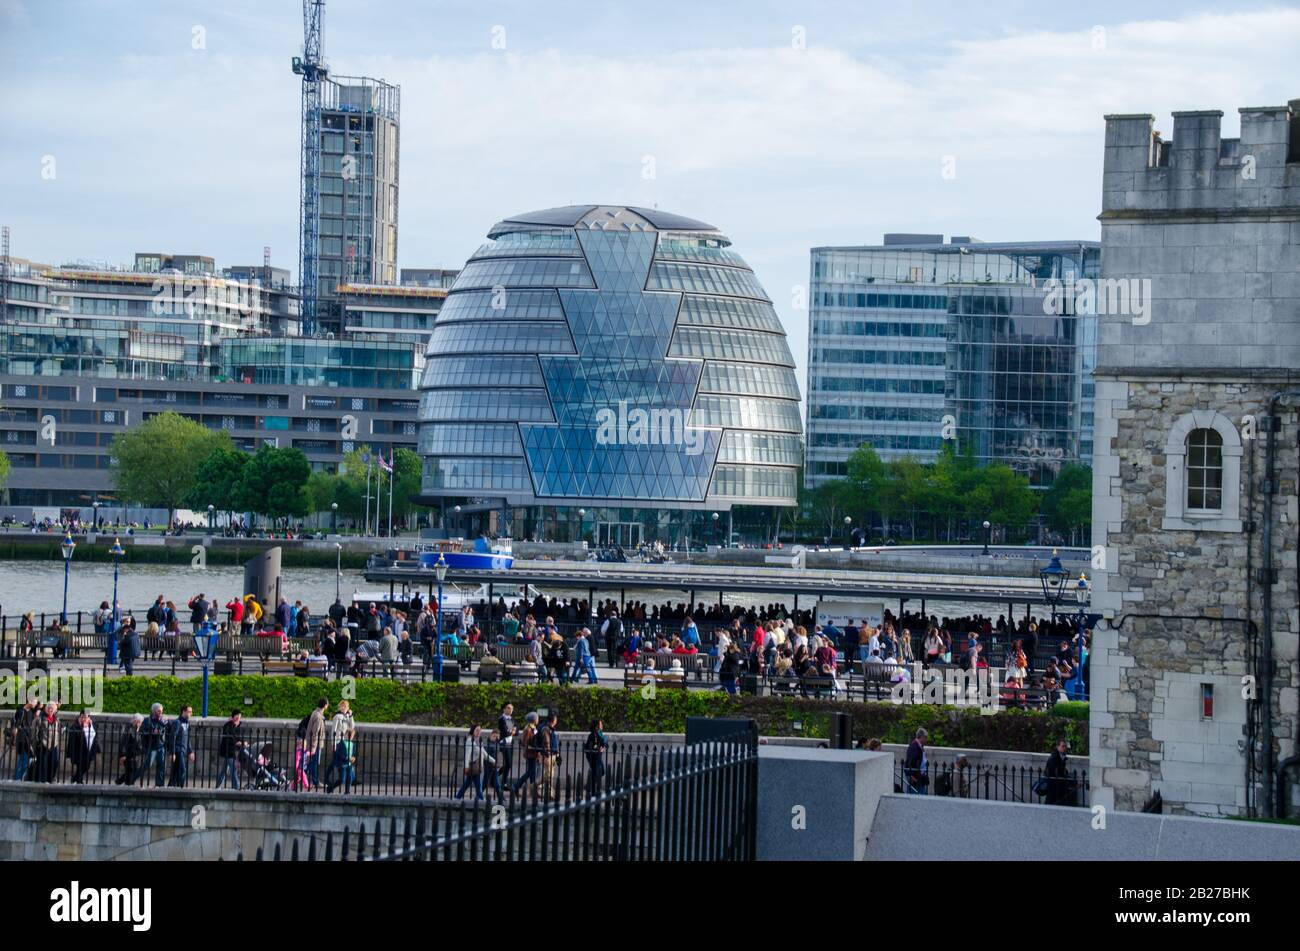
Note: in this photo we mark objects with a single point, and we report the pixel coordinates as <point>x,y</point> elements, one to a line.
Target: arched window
<point>1203,455</point>
<point>1204,471</point>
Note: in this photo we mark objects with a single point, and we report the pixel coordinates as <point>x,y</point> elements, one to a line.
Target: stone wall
<point>1212,225</point>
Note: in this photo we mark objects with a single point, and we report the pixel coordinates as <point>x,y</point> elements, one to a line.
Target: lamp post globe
<point>116,553</point>
<point>334,518</point>
<point>338,570</point>
<point>67,547</point>
<point>439,569</point>
<point>988,534</point>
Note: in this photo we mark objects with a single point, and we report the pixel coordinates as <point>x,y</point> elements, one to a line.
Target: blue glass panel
<point>576,463</point>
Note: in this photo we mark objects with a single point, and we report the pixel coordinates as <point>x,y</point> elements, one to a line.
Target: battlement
<point>1196,169</point>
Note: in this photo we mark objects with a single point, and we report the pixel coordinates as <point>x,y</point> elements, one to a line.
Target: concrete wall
<point>97,823</point>
<point>816,805</point>
<point>930,828</point>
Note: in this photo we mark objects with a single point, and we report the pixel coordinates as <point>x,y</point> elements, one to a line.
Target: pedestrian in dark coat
<point>83,747</point>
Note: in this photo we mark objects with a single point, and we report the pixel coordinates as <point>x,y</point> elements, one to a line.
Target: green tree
<point>1004,497</point>
<point>216,481</point>
<point>274,483</point>
<point>1067,505</point>
<point>157,463</point>
<point>830,500</point>
<point>4,470</point>
<point>873,484</point>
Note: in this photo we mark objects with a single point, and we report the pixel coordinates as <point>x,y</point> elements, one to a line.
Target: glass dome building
<point>606,372</point>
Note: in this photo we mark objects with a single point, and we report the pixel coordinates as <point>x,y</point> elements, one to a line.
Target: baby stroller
<point>261,769</point>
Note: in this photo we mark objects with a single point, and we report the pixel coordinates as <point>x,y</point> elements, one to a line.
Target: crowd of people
<point>158,750</point>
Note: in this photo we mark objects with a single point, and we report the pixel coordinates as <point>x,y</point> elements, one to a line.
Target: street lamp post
<point>334,518</point>
<point>205,645</point>
<point>338,571</point>
<point>1083,595</point>
<point>440,568</point>
<point>848,520</point>
<point>988,535</point>
<point>212,525</point>
<point>116,553</point>
<point>95,506</point>
<point>582,524</point>
<point>716,518</point>
<point>68,547</point>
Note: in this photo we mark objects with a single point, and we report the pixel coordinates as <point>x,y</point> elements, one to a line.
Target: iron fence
<point>388,762</point>
<point>694,803</point>
<point>998,782</point>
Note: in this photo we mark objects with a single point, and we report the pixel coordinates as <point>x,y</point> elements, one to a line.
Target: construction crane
<point>311,67</point>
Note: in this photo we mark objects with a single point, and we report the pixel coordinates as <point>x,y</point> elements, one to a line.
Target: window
<point>1204,471</point>
<point>1203,474</point>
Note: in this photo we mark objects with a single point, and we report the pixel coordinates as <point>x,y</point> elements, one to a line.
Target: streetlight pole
<point>338,571</point>
<point>95,506</point>
<point>441,570</point>
<point>334,518</point>
<point>988,535</point>
<point>212,525</point>
<point>848,520</point>
<point>68,547</point>
<point>716,517</point>
<point>116,552</point>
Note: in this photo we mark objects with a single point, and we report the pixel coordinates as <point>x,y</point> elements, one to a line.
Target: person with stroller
<point>228,748</point>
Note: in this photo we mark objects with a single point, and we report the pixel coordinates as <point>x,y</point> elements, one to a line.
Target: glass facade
<point>905,339</point>
<point>614,361</point>
<point>314,361</point>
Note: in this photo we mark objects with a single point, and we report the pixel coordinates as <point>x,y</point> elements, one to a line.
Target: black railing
<point>999,782</point>
<point>694,803</point>
<point>388,762</point>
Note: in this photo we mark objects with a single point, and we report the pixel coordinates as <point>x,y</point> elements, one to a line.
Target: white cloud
<point>785,149</point>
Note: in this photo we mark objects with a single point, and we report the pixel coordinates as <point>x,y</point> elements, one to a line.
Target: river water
<point>38,586</point>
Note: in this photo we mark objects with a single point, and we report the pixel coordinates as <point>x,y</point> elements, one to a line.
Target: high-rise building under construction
<point>357,212</point>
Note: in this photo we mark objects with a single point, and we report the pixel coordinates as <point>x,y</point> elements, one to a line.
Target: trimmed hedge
<point>622,711</point>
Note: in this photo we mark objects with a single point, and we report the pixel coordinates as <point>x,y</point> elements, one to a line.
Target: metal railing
<point>694,803</point>
<point>388,763</point>
<point>1000,783</point>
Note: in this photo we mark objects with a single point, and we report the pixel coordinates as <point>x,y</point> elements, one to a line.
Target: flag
<point>385,465</point>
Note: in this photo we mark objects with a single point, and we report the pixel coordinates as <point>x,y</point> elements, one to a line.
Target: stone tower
<point>1194,674</point>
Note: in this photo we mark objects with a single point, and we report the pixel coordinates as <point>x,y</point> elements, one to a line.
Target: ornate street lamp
<point>1054,579</point>
<point>211,526</point>
<point>334,518</point>
<point>116,553</point>
<point>716,518</point>
<point>95,505</point>
<point>440,569</point>
<point>205,645</point>
<point>988,535</point>
<point>68,547</point>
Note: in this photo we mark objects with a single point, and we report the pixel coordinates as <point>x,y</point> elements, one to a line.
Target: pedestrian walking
<point>179,752</point>
<point>153,741</point>
<point>83,747</point>
<point>506,729</point>
<point>47,737</point>
<point>527,742</point>
<point>475,758</point>
<point>228,748</point>
<point>594,749</point>
<point>20,734</point>
<point>128,751</point>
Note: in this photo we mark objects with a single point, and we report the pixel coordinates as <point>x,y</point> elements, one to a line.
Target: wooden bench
<point>636,679</point>
<point>491,673</point>
<point>817,687</point>
<point>521,673</point>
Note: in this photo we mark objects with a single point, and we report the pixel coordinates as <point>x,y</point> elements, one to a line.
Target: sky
<point>173,125</point>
